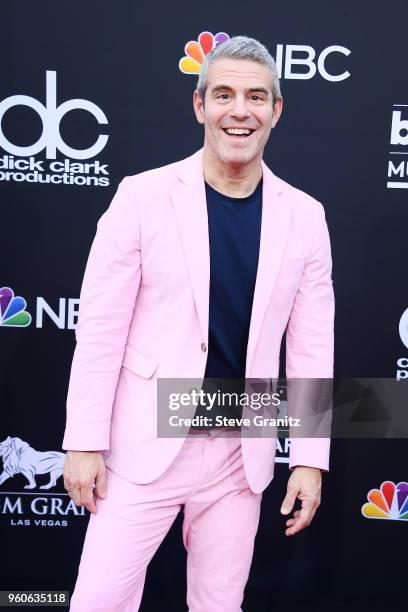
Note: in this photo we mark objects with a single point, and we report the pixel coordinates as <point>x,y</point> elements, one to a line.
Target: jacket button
<point>203,347</point>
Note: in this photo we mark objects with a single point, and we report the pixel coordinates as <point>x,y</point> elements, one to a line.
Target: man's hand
<point>305,483</point>
<point>81,470</point>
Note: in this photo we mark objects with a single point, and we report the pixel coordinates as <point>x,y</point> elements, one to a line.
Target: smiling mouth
<point>238,132</point>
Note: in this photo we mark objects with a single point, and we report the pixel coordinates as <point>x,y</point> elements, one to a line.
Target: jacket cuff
<point>87,438</point>
<point>309,452</point>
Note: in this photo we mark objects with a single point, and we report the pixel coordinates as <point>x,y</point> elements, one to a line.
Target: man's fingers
<point>303,519</point>
<point>306,513</point>
<point>289,500</point>
<point>100,484</point>
<point>292,520</point>
<point>84,496</point>
<point>298,525</point>
<point>85,478</point>
<point>305,484</point>
<point>76,496</point>
<point>88,500</point>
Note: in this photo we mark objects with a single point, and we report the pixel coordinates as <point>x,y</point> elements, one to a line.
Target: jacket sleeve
<point>109,289</point>
<point>310,338</point>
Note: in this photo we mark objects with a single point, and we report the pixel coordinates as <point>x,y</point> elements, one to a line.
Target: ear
<point>198,105</point>
<point>277,110</point>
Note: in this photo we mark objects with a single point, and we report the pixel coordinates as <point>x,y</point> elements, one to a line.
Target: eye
<point>223,96</point>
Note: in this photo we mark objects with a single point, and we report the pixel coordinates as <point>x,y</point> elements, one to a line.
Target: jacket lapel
<point>190,207</point>
<point>276,216</point>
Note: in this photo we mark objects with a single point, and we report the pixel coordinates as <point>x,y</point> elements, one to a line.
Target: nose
<point>239,109</point>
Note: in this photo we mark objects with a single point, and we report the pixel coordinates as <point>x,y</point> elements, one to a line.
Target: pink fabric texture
<point>221,514</point>
<point>144,310</point>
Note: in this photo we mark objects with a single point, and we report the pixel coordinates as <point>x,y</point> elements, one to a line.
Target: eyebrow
<point>250,90</point>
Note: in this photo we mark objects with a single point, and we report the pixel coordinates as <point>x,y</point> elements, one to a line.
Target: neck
<point>237,181</point>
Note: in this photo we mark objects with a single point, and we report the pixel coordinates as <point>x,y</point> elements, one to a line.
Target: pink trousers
<point>221,516</point>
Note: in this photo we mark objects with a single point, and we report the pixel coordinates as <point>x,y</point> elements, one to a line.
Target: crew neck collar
<point>232,198</point>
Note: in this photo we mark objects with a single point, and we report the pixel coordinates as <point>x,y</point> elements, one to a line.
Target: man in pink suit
<point>196,270</point>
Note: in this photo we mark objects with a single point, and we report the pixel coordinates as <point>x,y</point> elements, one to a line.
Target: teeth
<point>238,131</point>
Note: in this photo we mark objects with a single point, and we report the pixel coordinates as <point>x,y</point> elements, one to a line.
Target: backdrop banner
<point>91,92</point>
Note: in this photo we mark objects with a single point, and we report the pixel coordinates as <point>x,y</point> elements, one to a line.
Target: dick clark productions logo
<point>27,168</point>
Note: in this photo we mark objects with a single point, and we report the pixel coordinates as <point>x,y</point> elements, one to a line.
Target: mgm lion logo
<point>20,458</point>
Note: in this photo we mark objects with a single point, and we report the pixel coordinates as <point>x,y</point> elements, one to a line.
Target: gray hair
<point>240,47</point>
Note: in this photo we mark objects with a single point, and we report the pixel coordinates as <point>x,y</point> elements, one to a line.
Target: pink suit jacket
<point>144,307</point>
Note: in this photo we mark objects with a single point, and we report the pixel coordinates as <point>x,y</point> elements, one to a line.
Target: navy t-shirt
<point>234,227</point>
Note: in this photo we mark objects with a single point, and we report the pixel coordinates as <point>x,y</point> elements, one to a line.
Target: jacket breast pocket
<point>139,363</point>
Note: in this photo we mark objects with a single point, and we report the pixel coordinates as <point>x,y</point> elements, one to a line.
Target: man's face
<point>237,112</point>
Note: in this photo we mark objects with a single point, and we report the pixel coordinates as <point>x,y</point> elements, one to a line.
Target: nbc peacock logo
<point>389,502</point>
<point>13,309</point>
<point>196,50</point>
